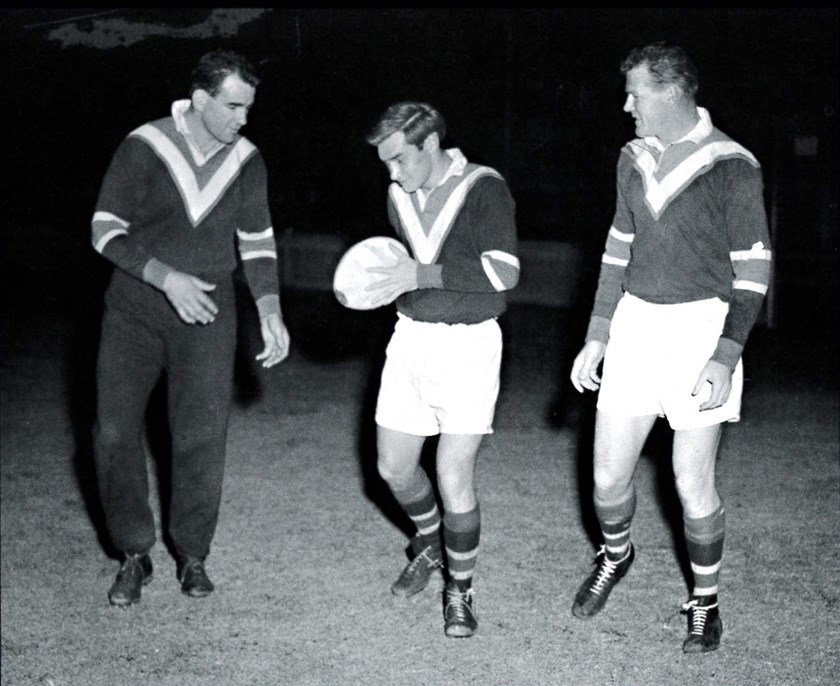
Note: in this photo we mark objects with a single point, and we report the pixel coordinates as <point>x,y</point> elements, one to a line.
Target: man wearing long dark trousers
<point>180,195</point>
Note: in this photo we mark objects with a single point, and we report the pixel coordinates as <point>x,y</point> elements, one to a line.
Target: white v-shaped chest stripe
<point>427,247</point>
<point>197,201</point>
<point>658,194</point>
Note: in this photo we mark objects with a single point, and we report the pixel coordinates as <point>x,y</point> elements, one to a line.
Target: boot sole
<point>127,602</point>
<point>460,631</point>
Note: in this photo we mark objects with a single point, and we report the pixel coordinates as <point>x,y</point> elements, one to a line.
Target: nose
<point>393,172</point>
<point>628,104</point>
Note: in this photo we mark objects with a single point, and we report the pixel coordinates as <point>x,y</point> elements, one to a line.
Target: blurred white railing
<point>550,271</point>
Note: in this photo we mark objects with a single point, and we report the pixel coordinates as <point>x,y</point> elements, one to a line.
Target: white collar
<point>459,164</point>
<point>697,135</point>
<point>456,168</point>
<point>179,111</point>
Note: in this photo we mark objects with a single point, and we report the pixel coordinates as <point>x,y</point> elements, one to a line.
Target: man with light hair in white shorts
<point>441,374</point>
<point>683,277</point>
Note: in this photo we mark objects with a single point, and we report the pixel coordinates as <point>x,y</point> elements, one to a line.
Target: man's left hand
<point>720,377</point>
<point>400,277</point>
<point>276,338</point>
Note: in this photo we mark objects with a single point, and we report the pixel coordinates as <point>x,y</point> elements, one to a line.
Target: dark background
<point>535,93</point>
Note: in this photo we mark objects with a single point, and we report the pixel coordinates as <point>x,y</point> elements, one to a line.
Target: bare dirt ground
<point>307,543</point>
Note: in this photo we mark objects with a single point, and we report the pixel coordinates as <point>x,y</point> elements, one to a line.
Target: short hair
<point>417,120</point>
<point>214,67</point>
<point>667,64</point>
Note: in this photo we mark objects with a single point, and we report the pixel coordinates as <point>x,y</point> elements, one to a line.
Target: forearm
<point>263,282</point>
<point>493,271</point>
<point>122,193</point>
<point>744,309</point>
<point>607,295</point>
<point>133,259</point>
<point>750,257</point>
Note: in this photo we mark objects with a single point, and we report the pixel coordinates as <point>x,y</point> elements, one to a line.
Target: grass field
<point>308,543</point>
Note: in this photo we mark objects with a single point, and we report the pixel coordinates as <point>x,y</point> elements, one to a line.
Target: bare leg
<point>456,470</point>
<point>694,458</point>
<point>618,445</point>
<point>695,455</point>
<point>461,528</point>
<point>399,456</point>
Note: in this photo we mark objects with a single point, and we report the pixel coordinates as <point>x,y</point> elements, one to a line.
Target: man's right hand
<point>585,369</point>
<point>188,296</point>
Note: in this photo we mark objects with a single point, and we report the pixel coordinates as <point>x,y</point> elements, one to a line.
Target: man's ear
<point>199,98</point>
<point>673,92</point>
<point>431,143</point>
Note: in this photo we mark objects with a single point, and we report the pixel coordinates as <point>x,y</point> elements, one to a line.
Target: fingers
<point>575,376</point>
<point>389,291</point>
<point>207,306</point>
<point>718,396</point>
<point>203,285</point>
<point>585,377</point>
<point>584,374</point>
<point>276,338</point>
<point>382,253</point>
<point>273,354</point>
<point>718,392</point>
<point>719,378</point>
<point>589,381</point>
<point>199,310</point>
<point>188,297</point>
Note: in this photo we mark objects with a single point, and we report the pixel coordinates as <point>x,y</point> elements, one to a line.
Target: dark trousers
<point>143,337</point>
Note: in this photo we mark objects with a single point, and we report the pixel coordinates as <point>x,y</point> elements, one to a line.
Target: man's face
<point>226,112</point>
<point>407,164</point>
<point>648,102</point>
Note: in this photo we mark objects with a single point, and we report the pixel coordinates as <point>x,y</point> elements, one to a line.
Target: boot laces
<point>698,615</point>
<point>422,558</point>
<point>458,605</point>
<point>606,571</point>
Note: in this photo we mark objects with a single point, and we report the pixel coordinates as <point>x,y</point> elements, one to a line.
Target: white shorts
<point>440,378</point>
<point>654,356</point>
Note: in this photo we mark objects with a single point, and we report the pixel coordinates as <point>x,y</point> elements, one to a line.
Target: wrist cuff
<point>155,272</point>
<point>429,275</point>
<point>268,304</point>
<point>728,352</point>
<point>599,329</point>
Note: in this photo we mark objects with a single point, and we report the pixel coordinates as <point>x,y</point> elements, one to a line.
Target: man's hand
<point>188,295</point>
<point>585,369</point>
<point>720,377</point>
<point>400,277</point>
<point>276,338</point>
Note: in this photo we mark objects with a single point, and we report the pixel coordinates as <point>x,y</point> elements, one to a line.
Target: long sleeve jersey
<point>463,234</point>
<point>689,224</point>
<point>163,207</point>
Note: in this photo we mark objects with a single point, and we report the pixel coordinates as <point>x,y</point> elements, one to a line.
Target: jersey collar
<point>179,111</point>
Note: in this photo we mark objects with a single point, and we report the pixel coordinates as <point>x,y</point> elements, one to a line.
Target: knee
<point>610,486</point>
<point>456,486</point>
<point>451,482</point>
<point>393,473</point>
<point>698,495</point>
<point>108,435</point>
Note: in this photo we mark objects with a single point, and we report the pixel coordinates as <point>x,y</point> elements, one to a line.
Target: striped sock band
<point>705,550</point>
<point>417,500</point>
<point>461,533</point>
<point>615,519</point>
